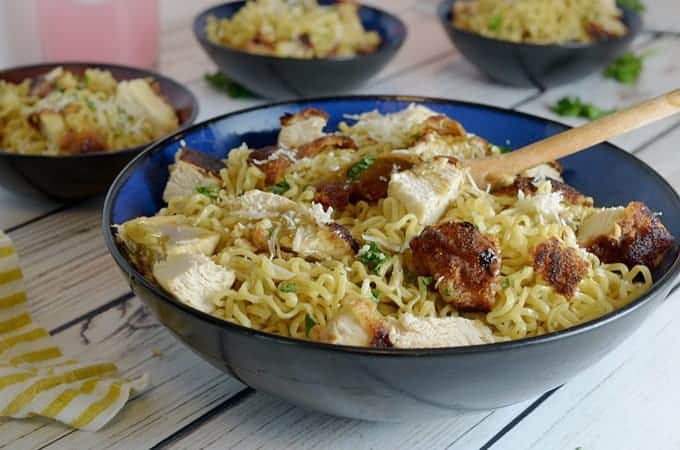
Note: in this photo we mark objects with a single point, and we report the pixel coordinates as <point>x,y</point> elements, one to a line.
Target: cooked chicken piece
<point>433,145</point>
<point>138,99</point>
<point>302,127</point>
<point>559,265</point>
<point>152,239</point>
<point>51,125</point>
<point>443,126</point>
<point>308,232</point>
<point>83,142</point>
<point>431,332</point>
<point>273,161</point>
<point>192,170</point>
<point>98,80</point>
<point>529,188</point>
<point>427,189</point>
<point>357,323</point>
<point>194,279</point>
<point>464,262</point>
<point>551,170</point>
<point>632,235</point>
<point>333,194</point>
<point>325,144</point>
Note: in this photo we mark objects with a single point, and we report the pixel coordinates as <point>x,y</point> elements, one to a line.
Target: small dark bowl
<point>394,385</point>
<point>532,65</point>
<point>284,78</point>
<point>74,177</point>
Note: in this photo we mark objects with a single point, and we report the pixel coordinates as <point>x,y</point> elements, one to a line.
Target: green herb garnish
<point>224,84</point>
<point>309,324</point>
<point>635,5</point>
<point>90,105</point>
<point>447,293</point>
<point>376,295</point>
<point>495,22</point>
<point>504,148</point>
<point>354,171</point>
<point>411,278</point>
<point>372,257</point>
<point>209,191</point>
<point>287,287</point>
<point>425,281</point>
<point>505,283</point>
<point>573,106</point>
<point>626,68</point>
<point>280,188</point>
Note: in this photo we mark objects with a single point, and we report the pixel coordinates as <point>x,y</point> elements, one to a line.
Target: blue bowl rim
<point>199,33</point>
<point>143,73</point>
<point>590,325</point>
<point>634,26</point>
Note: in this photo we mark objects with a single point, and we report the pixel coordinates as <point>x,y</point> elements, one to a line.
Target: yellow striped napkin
<point>36,378</point>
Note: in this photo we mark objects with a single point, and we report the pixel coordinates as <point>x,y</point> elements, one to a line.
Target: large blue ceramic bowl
<point>533,65</point>
<point>394,385</point>
<point>285,78</point>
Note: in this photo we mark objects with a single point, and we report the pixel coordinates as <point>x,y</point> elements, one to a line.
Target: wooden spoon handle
<point>574,140</point>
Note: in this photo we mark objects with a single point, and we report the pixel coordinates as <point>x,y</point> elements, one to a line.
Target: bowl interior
<point>138,190</point>
<point>392,31</point>
<point>182,100</point>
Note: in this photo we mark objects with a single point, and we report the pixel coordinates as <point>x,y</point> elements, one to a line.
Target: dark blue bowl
<point>284,78</point>
<point>532,65</point>
<point>395,385</point>
<point>74,177</point>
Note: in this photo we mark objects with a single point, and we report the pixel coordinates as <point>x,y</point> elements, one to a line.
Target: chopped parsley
<point>224,84</point>
<point>447,293</point>
<point>626,68</point>
<point>280,188</point>
<point>354,171</point>
<point>574,107</point>
<point>505,283</point>
<point>309,324</point>
<point>209,191</point>
<point>287,287</point>
<point>372,257</point>
<point>90,105</point>
<point>504,148</point>
<point>495,22</point>
<point>376,295</point>
<point>425,281</point>
<point>635,5</point>
<point>416,136</point>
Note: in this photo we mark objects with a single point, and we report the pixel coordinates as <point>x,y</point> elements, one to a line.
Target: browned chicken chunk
<point>526,185</point>
<point>632,235</point>
<point>464,262</point>
<point>324,144</point>
<point>273,166</point>
<point>559,265</point>
<point>443,126</point>
<point>333,194</point>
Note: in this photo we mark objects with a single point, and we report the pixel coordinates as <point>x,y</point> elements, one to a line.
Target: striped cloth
<point>36,378</point>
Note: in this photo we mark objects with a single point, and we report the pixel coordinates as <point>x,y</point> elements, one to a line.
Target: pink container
<point>114,31</point>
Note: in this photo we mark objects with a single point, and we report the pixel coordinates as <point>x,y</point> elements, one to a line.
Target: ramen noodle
<point>376,235</point>
<point>63,113</point>
<point>541,21</point>
<point>294,29</point>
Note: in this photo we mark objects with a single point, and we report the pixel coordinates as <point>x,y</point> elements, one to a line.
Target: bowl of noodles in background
<point>59,146</point>
<point>536,43</point>
<point>376,381</point>
<point>283,50</point>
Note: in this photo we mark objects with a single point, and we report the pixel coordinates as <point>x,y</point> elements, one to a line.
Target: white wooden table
<point>627,400</point>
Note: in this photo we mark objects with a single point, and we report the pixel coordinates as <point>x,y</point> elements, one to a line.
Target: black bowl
<point>394,385</point>
<point>74,177</point>
<point>281,78</point>
<point>532,65</point>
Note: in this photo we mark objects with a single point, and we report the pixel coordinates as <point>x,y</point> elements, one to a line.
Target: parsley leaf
<point>505,148</point>
<point>224,84</point>
<point>90,105</point>
<point>635,5</point>
<point>209,191</point>
<point>309,324</point>
<point>287,287</point>
<point>495,22</point>
<point>281,187</point>
<point>372,257</point>
<point>573,106</point>
<point>505,283</point>
<point>376,295</point>
<point>426,281</point>
<point>626,68</point>
<point>354,171</point>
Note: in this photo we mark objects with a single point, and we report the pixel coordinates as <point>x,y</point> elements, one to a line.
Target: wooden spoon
<point>496,169</point>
